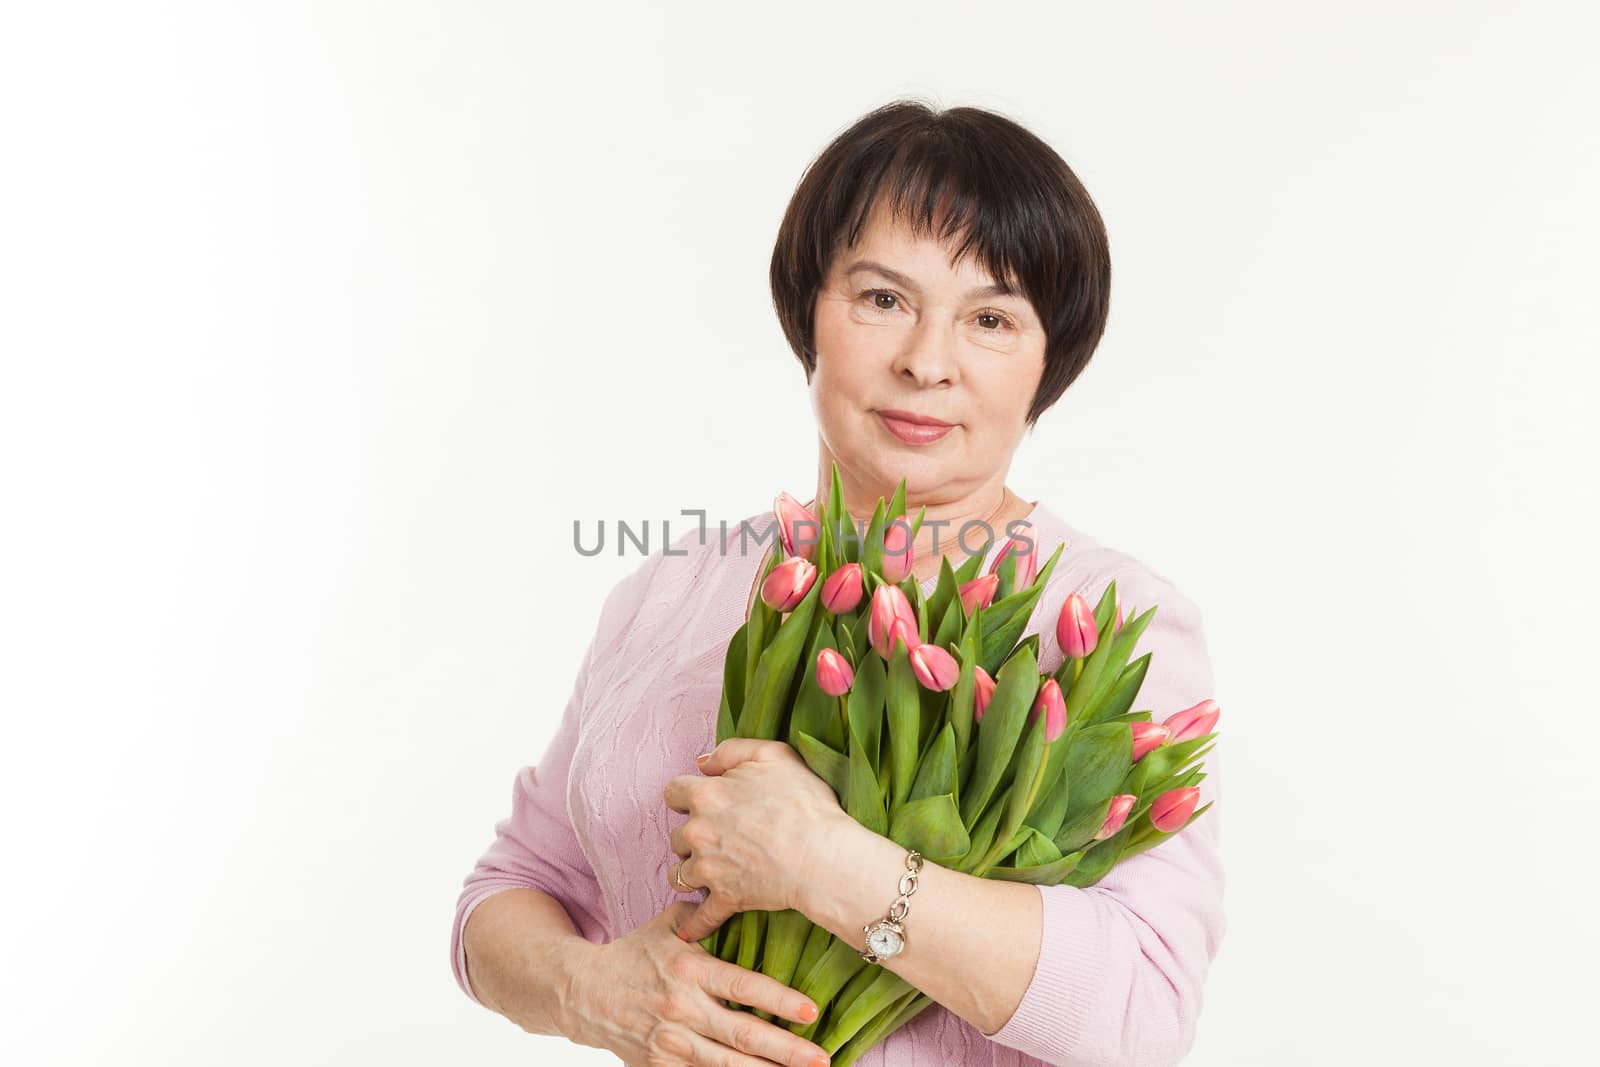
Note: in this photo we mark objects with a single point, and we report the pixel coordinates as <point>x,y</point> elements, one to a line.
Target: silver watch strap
<point>902,903</point>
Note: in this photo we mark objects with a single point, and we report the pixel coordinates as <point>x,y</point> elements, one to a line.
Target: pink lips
<point>914,429</point>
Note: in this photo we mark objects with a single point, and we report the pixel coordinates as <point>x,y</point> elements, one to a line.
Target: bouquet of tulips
<point>934,726</point>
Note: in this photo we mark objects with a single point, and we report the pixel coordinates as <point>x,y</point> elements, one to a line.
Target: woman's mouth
<point>923,432</point>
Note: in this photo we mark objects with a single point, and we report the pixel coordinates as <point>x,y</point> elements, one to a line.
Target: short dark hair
<point>1006,192</point>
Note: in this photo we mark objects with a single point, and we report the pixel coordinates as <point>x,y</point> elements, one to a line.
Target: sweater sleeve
<point>1123,962</point>
<point>535,847</point>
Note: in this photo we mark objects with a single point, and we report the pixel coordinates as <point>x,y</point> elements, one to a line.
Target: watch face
<point>883,941</point>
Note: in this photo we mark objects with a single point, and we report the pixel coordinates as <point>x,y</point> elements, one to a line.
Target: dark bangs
<point>967,175</point>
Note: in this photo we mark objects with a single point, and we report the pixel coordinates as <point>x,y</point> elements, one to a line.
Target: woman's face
<point>900,329</point>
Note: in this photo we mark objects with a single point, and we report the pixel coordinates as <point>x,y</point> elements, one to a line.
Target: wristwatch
<point>887,936</point>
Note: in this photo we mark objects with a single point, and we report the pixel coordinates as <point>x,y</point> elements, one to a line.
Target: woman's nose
<point>929,356</point>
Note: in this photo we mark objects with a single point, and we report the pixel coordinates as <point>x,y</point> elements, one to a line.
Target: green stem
<point>888,1021</point>
<point>885,988</point>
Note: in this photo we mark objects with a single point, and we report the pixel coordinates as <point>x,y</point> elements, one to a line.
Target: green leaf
<point>1098,758</point>
<point>1052,873</point>
<point>1006,618</point>
<point>815,711</point>
<point>863,793</point>
<point>982,837</point>
<point>872,546</point>
<point>826,763</point>
<point>1169,759</point>
<point>1081,828</point>
<point>944,595</point>
<point>904,708</point>
<point>733,667</point>
<point>936,773</point>
<point>969,568</point>
<point>725,723</point>
<point>1110,678</point>
<point>932,826</point>
<point>964,691</point>
<point>1100,858</point>
<point>770,687</point>
<point>1023,786</point>
<point>864,706</point>
<point>1015,689</point>
<point>1036,849</point>
<point>1007,572</point>
<point>1120,696</point>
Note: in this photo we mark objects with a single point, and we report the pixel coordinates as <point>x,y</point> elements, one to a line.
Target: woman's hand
<point>755,814</point>
<point>653,1000</point>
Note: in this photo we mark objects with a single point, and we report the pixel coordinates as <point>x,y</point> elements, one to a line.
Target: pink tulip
<point>1147,737</point>
<point>1121,804</point>
<point>935,668</point>
<point>798,529</point>
<point>788,584</point>
<point>1190,723</point>
<point>1027,553</point>
<point>982,692</point>
<point>889,608</point>
<point>1173,808</point>
<point>1076,632</point>
<point>842,591</point>
<point>1054,707</point>
<point>833,673</point>
<point>979,593</point>
<point>904,631</point>
<point>897,551</point>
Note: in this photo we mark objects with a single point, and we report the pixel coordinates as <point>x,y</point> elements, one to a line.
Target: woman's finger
<point>675,839</point>
<point>729,981</point>
<point>711,1053</point>
<point>714,910</point>
<point>746,1032</point>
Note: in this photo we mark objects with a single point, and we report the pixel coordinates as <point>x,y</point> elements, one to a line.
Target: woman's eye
<point>884,300</point>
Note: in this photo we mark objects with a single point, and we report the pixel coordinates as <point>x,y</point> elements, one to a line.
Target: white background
<point>323,322</point>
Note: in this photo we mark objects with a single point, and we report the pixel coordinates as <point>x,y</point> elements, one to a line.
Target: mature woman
<point>942,277</point>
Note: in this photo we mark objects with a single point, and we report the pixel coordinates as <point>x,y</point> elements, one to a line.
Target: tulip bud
<point>798,529</point>
<point>897,550</point>
<point>1173,808</point>
<point>1190,723</point>
<point>833,673</point>
<point>979,593</point>
<point>1054,707</point>
<point>788,584</point>
<point>982,692</point>
<point>935,668</point>
<point>1121,804</point>
<point>842,591</point>
<point>890,616</point>
<point>904,631</point>
<point>1027,553</point>
<point>1147,737</point>
<point>1076,632</point>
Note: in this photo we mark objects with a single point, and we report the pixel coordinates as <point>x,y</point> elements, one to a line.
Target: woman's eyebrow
<point>899,279</point>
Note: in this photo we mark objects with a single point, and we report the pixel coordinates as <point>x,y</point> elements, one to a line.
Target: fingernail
<point>808,1013</point>
<point>702,757</point>
<point>819,1061</point>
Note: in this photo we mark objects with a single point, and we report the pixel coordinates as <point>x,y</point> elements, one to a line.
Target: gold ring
<point>677,878</point>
